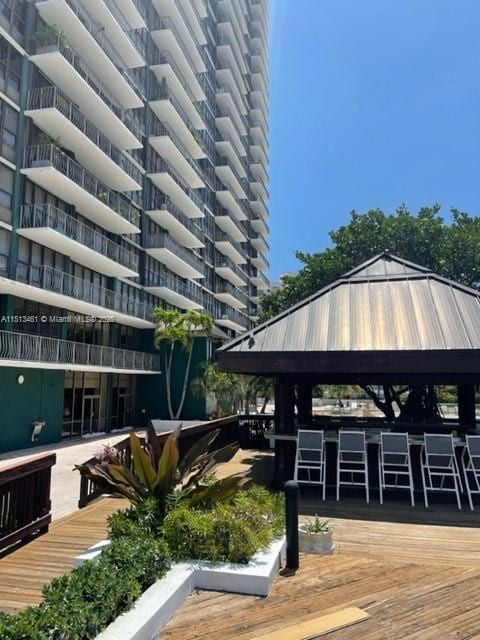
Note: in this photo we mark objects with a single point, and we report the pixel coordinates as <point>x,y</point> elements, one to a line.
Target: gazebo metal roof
<point>387,316</point>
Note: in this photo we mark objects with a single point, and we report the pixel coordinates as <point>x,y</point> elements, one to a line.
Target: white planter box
<point>160,602</point>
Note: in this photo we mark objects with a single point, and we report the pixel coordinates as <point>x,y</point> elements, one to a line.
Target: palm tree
<point>224,386</point>
<point>176,327</point>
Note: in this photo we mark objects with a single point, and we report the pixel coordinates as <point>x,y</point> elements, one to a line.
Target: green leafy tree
<point>225,387</point>
<point>448,249</point>
<point>176,328</point>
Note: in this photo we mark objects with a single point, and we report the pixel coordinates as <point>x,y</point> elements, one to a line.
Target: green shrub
<point>80,604</point>
<point>230,532</point>
<point>145,517</point>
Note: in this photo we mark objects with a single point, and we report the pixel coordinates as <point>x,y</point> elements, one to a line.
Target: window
<point>6,190</point>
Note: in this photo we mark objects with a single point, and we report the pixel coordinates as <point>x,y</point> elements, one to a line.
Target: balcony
<point>167,37</point>
<point>56,288</point>
<point>167,180</point>
<point>258,119</point>
<point>227,81</point>
<point>133,13</point>
<point>260,209</point>
<point>258,101</point>
<point>260,226</point>
<point>228,270</point>
<point>230,247</point>
<point>185,17</point>
<point>229,10</point>
<point>259,190</point>
<point>183,229</point>
<point>228,294</point>
<point>181,261</point>
<point>40,352</point>
<point>259,172</point>
<point>227,173</point>
<point>259,155</point>
<point>228,59</point>
<point>169,111</point>
<point>60,232</point>
<point>180,293</point>
<point>68,71</point>
<point>88,39</point>
<point>232,319</point>
<point>259,261</point>
<point>169,146</point>
<point>230,226</point>
<point>60,118</point>
<point>128,45</point>
<point>167,71</point>
<point>227,198</point>
<point>259,84</point>
<point>260,281</point>
<point>226,31</point>
<point>259,243</point>
<point>56,172</point>
<point>227,148</point>
<point>259,138</point>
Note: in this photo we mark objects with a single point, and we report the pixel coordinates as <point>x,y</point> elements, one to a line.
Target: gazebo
<point>386,322</point>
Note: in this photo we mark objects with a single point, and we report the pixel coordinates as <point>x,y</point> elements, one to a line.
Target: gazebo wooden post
<point>304,395</point>
<point>466,405</point>
<point>284,424</point>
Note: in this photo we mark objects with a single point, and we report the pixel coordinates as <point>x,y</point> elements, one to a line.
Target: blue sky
<point>372,103</point>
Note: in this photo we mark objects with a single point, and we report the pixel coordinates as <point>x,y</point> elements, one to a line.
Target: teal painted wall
<point>40,397</point>
<point>151,392</point>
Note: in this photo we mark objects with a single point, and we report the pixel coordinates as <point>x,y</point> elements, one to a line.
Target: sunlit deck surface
<point>25,571</point>
<point>416,571</point>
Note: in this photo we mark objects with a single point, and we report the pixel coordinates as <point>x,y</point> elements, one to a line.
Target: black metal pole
<point>291,515</point>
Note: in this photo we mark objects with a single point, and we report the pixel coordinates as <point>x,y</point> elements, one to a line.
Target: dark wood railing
<point>25,506</point>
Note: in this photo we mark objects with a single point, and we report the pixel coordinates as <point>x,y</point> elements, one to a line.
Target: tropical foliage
<point>175,329</point>
<point>158,472</point>
<point>448,249</point>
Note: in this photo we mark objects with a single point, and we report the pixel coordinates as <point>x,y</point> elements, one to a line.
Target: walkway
<point>65,481</point>
<point>24,572</point>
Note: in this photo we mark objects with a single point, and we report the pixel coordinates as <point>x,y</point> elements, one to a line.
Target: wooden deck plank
<point>416,572</point>
<point>26,570</point>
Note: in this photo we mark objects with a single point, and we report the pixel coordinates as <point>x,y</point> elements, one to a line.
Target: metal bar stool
<point>352,461</point>
<point>395,464</point>
<point>471,467</point>
<point>439,465</point>
<point>310,459</point>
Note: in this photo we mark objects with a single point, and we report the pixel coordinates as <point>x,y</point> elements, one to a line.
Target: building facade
<point>133,174</point>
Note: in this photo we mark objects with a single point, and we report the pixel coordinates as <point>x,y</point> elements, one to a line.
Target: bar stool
<point>352,461</point>
<point>471,467</point>
<point>310,459</point>
<point>439,465</point>
<point>395,464</point>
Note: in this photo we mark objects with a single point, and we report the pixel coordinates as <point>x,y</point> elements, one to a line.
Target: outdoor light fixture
<point>37,427</point>
<point>20,378</point>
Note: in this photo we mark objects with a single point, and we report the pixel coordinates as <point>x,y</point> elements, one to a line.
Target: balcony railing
<point>227,263</point>
<point>158,129</point>
<point>50,155</point>
<point>164,203</point>
<point>91,78</point>
<point>99,37</point>
<point>234,316</point>
<point>134,35</point>
<point>228,187</point>
<point>46,215</point>
<point>165,57</point>
<point>159,165</point>
<point>41,349</point>
<point>51,279</point>
<point>165,22</point>
<point>163,240</point>
<point>240,226</point>
<point>226,137</point>
<point>52,97</point>
<point>223,161</point>
<point>259,236</point>
<point>185,288</point>
<point>222,286</point>
<point>221,236</point>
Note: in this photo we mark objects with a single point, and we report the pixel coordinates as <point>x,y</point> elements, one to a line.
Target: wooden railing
<point>25,499</point>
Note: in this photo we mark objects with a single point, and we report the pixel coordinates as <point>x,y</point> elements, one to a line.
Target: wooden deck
<point>25,571</point>
<point>415,571</point>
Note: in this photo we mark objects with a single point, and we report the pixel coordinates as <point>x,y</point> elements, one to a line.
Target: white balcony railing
<point>27,347</point>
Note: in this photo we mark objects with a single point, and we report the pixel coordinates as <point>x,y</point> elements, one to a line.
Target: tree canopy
<point>451,249</point>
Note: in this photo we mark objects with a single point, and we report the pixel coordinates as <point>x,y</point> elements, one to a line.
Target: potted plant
<point>50,38</point>
<point>316,536</point>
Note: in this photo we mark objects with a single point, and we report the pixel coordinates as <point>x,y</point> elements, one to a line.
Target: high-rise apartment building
<point>133,174</point>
